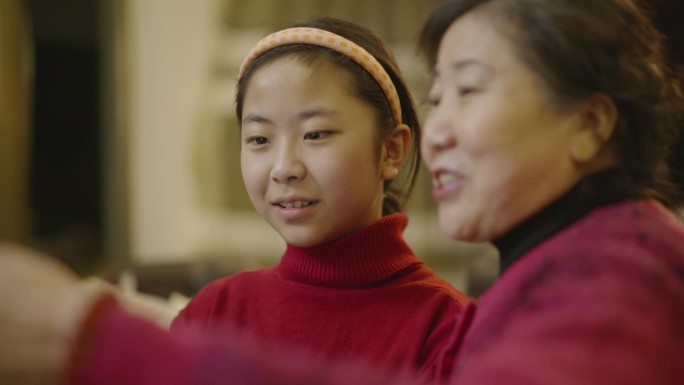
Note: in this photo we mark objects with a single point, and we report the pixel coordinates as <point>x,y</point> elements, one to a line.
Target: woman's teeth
<point>443,179</point>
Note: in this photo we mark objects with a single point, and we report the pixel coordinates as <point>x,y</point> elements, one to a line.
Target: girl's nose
<point>288,166</point>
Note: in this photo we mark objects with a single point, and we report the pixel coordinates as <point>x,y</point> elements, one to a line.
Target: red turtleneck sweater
<point>598,302</point>
<point>365,296</point>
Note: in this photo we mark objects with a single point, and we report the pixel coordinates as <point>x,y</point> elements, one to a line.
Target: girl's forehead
<point>296,84</point>
<point>316,66</point>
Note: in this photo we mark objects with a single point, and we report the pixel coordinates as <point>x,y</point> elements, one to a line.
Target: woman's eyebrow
<point>461,65</point>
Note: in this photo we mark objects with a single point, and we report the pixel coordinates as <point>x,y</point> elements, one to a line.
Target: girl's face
<point>311,154</point>
<point>497,148</point>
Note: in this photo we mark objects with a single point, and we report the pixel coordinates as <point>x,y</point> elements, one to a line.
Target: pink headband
<point>337,43</point>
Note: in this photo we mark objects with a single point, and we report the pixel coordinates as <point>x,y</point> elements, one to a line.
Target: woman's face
<point>495,145</point>
<point>310,153</point>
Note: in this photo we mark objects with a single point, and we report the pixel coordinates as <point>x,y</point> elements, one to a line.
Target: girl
<point>326,122</point>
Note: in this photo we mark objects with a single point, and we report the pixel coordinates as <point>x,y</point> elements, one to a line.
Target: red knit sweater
<point>597,303</point>
<point>365,296</point>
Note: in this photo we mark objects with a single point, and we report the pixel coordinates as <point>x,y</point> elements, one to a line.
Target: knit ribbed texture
<point>364,297</point>
<point>363,258</point>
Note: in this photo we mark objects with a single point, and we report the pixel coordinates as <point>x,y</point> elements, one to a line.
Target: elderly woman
<point>549,136</point>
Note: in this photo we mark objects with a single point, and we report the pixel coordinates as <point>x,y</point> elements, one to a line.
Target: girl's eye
<point>256,140</point>
<point>315,135</point>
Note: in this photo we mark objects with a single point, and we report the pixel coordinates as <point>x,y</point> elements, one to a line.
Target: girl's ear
<point>588,145</point>
<point>395,148</point>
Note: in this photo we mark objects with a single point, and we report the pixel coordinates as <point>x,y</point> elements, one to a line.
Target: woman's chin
<point>461,229</point>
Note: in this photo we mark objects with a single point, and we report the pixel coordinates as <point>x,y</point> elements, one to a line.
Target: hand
<point>154,308</point>
<point>41,305</point>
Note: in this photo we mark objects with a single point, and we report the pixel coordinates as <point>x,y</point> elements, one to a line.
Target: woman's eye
<point>464,91</point>
<point>432,101</point>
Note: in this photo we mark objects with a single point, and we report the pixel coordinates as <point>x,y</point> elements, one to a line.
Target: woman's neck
<point>594,190</point>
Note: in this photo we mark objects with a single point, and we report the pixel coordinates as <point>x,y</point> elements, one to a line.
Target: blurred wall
<point>15,82</point>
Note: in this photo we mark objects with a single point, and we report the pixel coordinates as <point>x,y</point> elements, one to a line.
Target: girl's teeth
<point>297,204</point>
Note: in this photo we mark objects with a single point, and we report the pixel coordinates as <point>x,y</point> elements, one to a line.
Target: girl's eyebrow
<point>304,115</point>
<point>254,118</point>
<point>316,112</point>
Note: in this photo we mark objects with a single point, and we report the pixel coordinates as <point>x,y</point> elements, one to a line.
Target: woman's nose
<point>438,132</point>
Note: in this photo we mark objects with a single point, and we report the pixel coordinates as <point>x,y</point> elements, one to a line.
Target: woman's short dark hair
<point>364,86</point>
<point>582,47</point>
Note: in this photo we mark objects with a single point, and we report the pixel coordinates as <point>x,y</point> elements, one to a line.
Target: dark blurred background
<point>65,193</point>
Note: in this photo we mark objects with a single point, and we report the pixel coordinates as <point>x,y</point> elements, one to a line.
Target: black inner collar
<point>601,188</point>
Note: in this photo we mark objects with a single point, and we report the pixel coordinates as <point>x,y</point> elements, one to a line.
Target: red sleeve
<point>438,358</point>
<point>132,351</point>
<point>197,311</point>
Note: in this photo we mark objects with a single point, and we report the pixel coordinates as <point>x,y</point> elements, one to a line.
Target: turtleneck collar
<point>360,259</point>
<point>602,188</point>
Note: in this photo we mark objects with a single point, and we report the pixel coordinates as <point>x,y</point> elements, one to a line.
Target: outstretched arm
<point>52,327</point>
